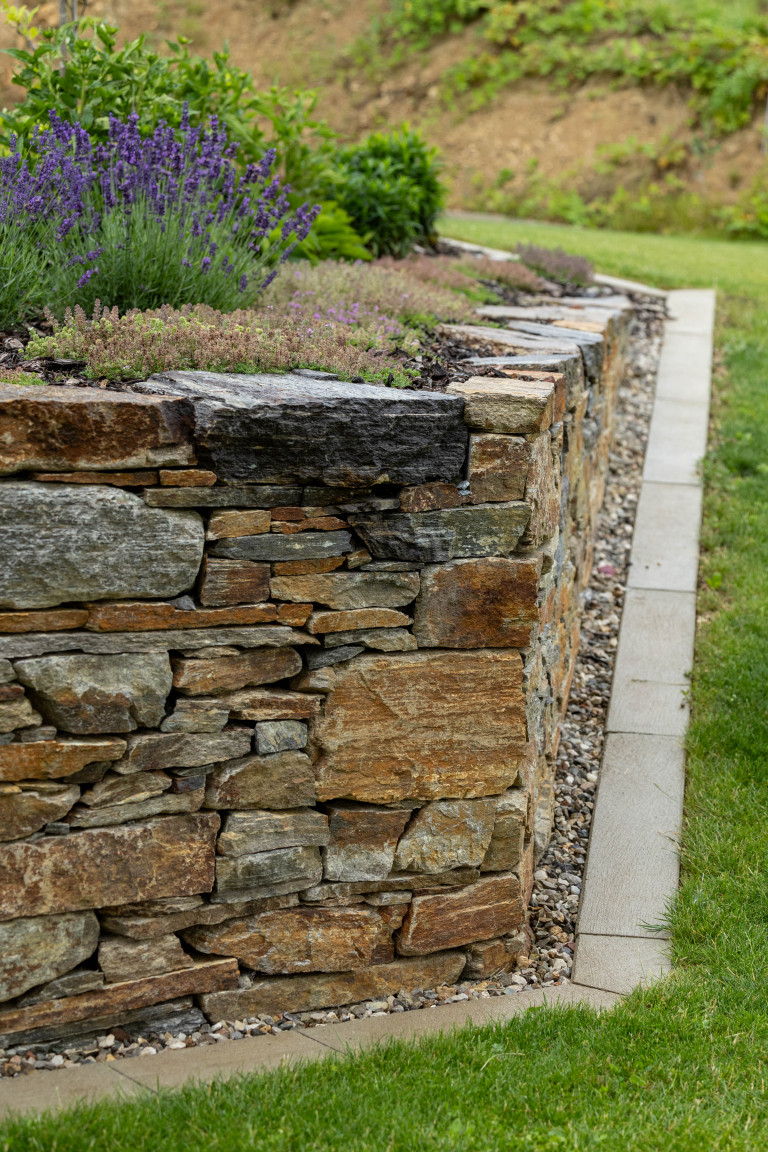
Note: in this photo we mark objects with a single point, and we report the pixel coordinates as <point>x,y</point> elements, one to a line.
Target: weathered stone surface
<point>295,614</point>
<point>228,582</point>
<point>569,365</point>
<point>245,833</point>
<point>138,617</point>
<point>307,567</point>
<point>47,759</point>
<point>486,603</point>
<point>506,846</point>
<point>498,467</point>
<point>529,403</point>
<point>446,834</point>
<point>64,428</point>
<point>305,993</point>
<point>323,622</point>
<point>118,479</point>
<point>93,694</point>
<point>542,492</point>
<point>310,524</point>
<point>149,751</point>
<point>22,813</point>
<point>272,546</point>
<point>71,984</point>
<point>349,590</point>
<point>316,679</point>
<point>488,958</point>
<point>187,478</point>
<point>270,873</point>
<point>18,713</point>
<point>428,497</point>
<point>423,725</point>
<point>197,715</point>
<point>222,675</point>
<point>280,736</point>
<point>492,907</point>
<point>231,496</point>
<point>303,939</point>
<point>63,542</point>
<point>35,949</point>
<point>55,621</point>
<point>590,344</point>
<point>380,639</point>
<point>363,841</point>
<point>115,1000</point>
<point>340,655</point>
<point>142,924</point>
<point>7,673</point>
<point>113,789</point>
<point>241,522</point>
<point>503,340</point>
<point>395,882</point>
<point>171,856</point>
<point>258,636</point>
<point>121,959</point>
<point>271,704</point>
<point>273,428</point>
<point>284,780</point>
<point>431,537</point>
<point>174,801</point>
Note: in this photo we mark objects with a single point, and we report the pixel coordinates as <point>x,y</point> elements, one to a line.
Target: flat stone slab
<point>633,866</point>
<point>665,543</point>
<point>654,658</point>
<point>281,429</point>
<point>266,636</point>
<point>619,963</point>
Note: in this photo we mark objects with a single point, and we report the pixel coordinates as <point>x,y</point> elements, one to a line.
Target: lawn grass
<point>680,1067</point>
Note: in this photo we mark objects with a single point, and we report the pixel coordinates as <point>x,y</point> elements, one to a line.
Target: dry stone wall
<point>282,662</point>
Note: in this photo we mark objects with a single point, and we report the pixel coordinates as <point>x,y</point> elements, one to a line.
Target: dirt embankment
<point>311,43</point>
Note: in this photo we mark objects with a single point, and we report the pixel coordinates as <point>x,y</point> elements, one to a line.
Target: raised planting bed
<point>283,665</point>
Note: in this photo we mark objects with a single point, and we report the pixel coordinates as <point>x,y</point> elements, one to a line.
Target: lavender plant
<point>167,219</point>
<point>38,208</point>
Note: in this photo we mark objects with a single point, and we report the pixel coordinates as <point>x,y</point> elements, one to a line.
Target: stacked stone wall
<point>282,663</point>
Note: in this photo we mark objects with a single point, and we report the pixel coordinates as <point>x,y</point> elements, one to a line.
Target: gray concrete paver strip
<point>620,963</point>
<point>665,544</point>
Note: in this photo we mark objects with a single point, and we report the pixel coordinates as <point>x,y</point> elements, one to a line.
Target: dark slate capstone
<point>591,344</point>
<point>283,429</point>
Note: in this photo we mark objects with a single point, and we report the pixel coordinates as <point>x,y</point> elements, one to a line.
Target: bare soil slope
<point>311,43</point>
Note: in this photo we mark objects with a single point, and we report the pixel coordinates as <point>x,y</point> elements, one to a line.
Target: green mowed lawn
<point>682,1066</point>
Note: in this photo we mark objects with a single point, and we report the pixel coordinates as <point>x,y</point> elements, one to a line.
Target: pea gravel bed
<point>558,876</point>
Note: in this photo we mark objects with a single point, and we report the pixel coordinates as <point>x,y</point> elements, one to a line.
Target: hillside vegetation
<point>645,114</point>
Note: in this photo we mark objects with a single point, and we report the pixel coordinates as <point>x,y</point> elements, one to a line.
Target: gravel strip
<point>558,878</point>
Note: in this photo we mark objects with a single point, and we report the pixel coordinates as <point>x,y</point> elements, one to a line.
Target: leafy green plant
<point>390,186</point>
<point>332,237</point>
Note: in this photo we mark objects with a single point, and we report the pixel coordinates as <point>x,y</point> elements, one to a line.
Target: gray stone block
<point>62,542</point>
<point>276,547</point>
<point>280,736</point>
<point>447,534</point>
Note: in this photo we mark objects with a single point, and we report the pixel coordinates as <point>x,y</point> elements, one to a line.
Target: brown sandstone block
<point>139,616</point>
<point>48,759</point>
<point>423,725</point>
<point>429,497</point>
<point>488,958</point>
<point>209,976</point>
<point>226,582</point>
<point>349,590</point>
<point>446,834</point>
<point>64,429</point>
<point>492,907</point>
<point>498,467</point>
<point>36,949</point>
<point>305,993</point>
<point>309,524</point>
<point>187,478</point>
<point>261,666</point>
<point>294,614</point>
<point>120,479</point>
<point>25,812</point>
<point>281,780</point>
<point>271,704</point>
<point>304,939</point>
<point>528,403</point>
<point>169,856</point>
<point>542,492</point>
<point>57,620</point>
<point>491,602</point>
<point>239,522</point>
<point>506,845</point>
<point>322,622</point>
<point>142,922</point>
<point>363,841</point>
<point>307,567</point>
<point>121,959</point>
<point>245,833</point>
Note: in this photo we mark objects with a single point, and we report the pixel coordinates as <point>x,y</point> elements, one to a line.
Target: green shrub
<point>390,186</point>
<point>332,237</point>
